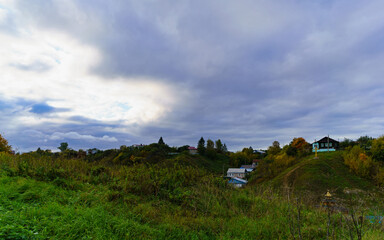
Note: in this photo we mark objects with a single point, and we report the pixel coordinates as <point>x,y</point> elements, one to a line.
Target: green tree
<point>219,146</point>
<point>290,151</point>
<point>201,146</point>
<point>161,141</point>
<point>210,151</point>
<point>274,149</point>
<point>347,143</point>
<point>365,142</point>
<point>248,151</point>
<point>225,149</point>
<point>63,146</point>
<point>210,144</point>
<point>4,146</point>
<point>238,158</point>
<point>39,151</point>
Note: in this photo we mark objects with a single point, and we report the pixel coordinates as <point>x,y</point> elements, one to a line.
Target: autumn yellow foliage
<point>359,162</point>
<point>4,146</point>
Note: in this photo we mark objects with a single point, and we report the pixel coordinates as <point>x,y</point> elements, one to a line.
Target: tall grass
<point>46,198</point>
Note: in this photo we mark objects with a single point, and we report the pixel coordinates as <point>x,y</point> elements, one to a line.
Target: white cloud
<point>44,65</point>
<point>77,136</point>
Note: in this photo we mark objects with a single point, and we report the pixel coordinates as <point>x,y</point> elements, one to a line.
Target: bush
<point>358,161</point>
<point>4,146</point>
<point>377,149</point>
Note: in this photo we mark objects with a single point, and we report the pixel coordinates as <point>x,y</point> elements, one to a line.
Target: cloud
<point>35,66</point>
<point>248,72</point>
<point>77,136</point>
<point>69,85</point>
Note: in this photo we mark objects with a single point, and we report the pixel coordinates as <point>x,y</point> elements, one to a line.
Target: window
<point>322,144</point>
<point>330,144</point>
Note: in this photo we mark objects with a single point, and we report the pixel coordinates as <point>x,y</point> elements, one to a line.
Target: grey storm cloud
<point>256,71</point>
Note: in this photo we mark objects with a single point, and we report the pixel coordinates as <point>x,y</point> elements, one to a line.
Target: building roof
<point>238,180</point>
<point>236,170</point>
<point>247,166</point>
<point>259,151</point>
<point>191,148</point>
<point>325,139</point>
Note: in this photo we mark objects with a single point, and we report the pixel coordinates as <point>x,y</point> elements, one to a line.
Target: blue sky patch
<point>42,108</point>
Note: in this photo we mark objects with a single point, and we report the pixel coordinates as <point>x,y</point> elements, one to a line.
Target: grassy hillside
<point>217,166</point>
<point>175,198</point>
<point>316,176</point>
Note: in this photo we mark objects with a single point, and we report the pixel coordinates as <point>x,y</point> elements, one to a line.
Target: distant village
<point>237,176</point>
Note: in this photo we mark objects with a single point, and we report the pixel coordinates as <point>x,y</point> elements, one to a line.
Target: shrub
<point>377,149</point>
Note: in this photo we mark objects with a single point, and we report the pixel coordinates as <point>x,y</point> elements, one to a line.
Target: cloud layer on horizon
<point>248,72</point>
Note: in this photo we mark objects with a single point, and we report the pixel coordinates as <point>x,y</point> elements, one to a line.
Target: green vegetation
<point>367,159</point>
<point>148,193</point>
<point>316,176</point>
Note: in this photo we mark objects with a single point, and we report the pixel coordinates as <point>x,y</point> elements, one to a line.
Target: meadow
<point>179,197</point>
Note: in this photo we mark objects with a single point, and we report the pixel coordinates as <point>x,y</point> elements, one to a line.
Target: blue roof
<point>237,181</point>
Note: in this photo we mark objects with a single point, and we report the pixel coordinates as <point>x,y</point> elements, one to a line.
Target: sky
<point>101,74</point>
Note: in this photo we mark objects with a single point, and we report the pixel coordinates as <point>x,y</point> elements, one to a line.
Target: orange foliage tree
<point>302,146</point>
<point>4,146</point>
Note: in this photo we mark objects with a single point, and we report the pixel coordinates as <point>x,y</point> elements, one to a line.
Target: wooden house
<point>326,144</point>
<point>236,172</point>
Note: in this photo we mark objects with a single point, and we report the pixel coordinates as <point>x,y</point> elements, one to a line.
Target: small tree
<point>347,143</point>
<point>210,151</point>
<point>365,142</point>
<point>225,149</point>
<point>201,146</point>
<point>4,146</point>
<point>210,145</point>
<point>219,146</point>
<point>63,146</point>
<point>274,149</point>
<point>161,141</point>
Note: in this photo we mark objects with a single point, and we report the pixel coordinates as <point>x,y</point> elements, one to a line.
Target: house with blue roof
<point>237,182</point>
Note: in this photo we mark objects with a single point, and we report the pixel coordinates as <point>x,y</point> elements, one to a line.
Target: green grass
<point>216,165</point>
<point>317,176</point>
<point>166,200</point>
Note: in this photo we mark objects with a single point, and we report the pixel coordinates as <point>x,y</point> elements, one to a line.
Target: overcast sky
<point>110,73</point>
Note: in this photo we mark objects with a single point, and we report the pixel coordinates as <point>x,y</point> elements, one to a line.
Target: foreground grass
<point>98,202</point>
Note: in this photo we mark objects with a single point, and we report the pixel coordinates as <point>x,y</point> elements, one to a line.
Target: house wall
<point>192,151</point>
<point>322,145</point>
<point>239,175</point>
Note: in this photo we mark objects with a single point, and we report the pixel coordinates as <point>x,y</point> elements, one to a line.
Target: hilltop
<point>317,176</point>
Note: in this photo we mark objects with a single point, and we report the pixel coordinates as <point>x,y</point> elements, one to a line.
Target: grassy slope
<point>328,172</point>
<point>212,165</point>
<point>31,209</point>
<point>36,210</point>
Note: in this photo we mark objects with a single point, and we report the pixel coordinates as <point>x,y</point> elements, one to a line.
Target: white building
<point>236,172</point>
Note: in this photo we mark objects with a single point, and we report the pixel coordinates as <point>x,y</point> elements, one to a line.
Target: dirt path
<point>285,179</point>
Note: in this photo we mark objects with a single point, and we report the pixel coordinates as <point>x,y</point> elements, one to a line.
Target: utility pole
<point>328,143</point>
